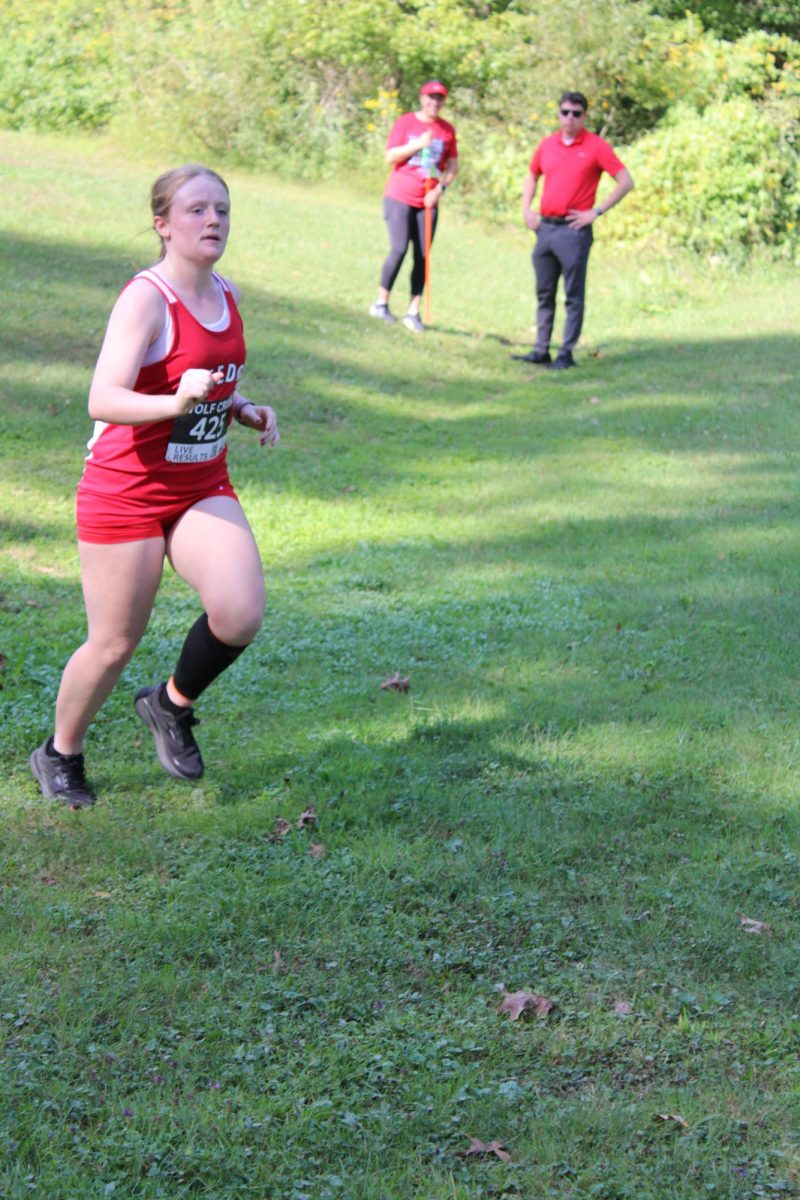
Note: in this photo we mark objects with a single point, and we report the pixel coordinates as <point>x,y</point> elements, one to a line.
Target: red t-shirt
<point>572,173</point>
<point>407,180</point>
<point>172,458</point>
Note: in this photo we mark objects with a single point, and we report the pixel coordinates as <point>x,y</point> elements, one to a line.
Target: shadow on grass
<point>300,352</point>
<point>662,573</point>
<point>476,827</point>
<point>14,530</point>
<point>558,801</point>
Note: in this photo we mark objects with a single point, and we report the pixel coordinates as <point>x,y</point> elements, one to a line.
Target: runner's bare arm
<point>134,324</point>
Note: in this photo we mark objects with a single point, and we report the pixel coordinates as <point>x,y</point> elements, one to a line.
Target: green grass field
<point>590,580</point>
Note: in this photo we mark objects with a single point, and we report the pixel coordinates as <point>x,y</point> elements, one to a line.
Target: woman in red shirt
<point>423,154</point>
<point>156,486</point>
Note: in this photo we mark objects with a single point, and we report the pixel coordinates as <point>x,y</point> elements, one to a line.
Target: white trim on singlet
<point>160,283</point>
<point>160,348</point>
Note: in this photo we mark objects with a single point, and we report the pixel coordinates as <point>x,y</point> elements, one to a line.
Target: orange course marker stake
<point>430,183</point>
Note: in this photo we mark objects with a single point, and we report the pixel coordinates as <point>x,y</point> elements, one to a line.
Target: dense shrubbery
<point>56,66</point>
<point>720,172</point>
<point>732,18</point>
<point>723,181</point>
<point>707,125</point>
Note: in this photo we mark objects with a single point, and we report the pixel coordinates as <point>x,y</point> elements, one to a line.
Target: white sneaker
<point>381,311</point>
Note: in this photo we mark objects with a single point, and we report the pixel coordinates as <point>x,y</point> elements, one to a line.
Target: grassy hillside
<point>590,581</point>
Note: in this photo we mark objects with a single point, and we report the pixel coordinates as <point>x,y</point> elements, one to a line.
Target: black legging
<point>405,224</point>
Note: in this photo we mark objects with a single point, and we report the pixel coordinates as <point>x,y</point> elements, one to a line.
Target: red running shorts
<point>106,518</point>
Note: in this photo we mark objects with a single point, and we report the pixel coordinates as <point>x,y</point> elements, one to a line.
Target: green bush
<point>724,181</point>
<point>56,65</point>
<point>311,89</point>
<point>759,65</point>
<point>297,81</point>
<point>733,18</point>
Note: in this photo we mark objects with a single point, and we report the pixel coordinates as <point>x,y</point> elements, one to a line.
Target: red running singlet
<point>138,479</point>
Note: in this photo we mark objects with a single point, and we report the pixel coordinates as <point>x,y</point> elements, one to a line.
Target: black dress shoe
<point>563,361</point>
<point>540,357</point>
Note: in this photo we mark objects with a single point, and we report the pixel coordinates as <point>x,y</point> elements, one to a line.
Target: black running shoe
<point>61,777</point>
<point>178,752</point>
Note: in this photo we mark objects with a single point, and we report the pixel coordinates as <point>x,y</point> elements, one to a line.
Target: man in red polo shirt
<point>571,162</point>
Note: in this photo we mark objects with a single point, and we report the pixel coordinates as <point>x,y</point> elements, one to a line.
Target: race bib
<point>199,435</point>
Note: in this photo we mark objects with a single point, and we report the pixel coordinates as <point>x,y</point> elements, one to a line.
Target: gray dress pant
<point>560,250</point>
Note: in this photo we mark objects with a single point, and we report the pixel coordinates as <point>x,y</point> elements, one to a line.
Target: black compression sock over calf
<point>202,659</point>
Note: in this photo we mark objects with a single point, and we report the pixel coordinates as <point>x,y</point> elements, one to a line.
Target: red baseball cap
<point>433,88</point>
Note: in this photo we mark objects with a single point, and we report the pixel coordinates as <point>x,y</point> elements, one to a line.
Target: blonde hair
<point>163,190</point>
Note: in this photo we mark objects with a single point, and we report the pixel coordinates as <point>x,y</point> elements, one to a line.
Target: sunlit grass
<point>590,582</point>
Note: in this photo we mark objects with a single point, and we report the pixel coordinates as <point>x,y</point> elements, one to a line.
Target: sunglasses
<point>572,112</point>
<point>436,95</point>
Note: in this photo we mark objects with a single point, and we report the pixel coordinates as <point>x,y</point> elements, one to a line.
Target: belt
<point>556,220</point>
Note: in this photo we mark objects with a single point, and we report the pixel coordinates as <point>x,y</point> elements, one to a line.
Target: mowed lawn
<point>588,792</point>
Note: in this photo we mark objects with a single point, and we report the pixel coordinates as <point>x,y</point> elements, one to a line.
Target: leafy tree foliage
<point>733,18</point>
<point>723,181</point>
<point>311,88</point>
<point>56,65</point>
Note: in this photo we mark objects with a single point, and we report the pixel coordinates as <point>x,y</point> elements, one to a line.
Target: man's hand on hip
<point>580,218</point>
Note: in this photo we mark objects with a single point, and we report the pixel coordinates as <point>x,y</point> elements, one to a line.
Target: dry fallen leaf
<point>623,1008</point>
<point>675,1118</point>
<point>277,961</point>
<point>594,399</point>
<point>280,828</point>
<point>318,850</point>
<point>307,818</point>
<point>517,1003</point>
<point>751,926</point>
<point>395,683</point>
<point>477,1149</point>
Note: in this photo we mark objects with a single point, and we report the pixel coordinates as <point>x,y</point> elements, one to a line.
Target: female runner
<point>156,486</point>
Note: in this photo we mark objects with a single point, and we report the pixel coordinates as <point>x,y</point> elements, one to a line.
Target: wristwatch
<point>598,210</point>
